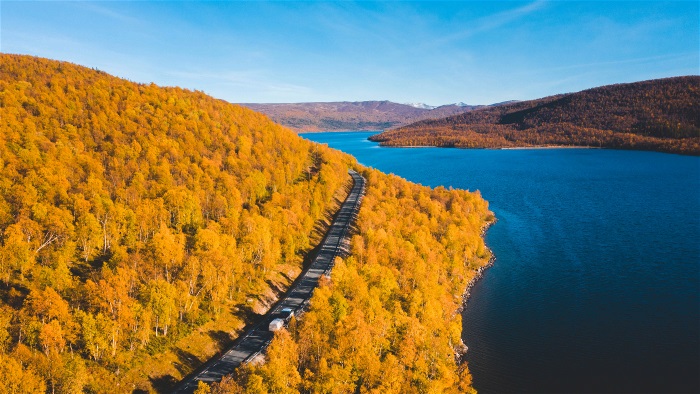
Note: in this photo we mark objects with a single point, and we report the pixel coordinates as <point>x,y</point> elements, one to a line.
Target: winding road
<point>256,338</point>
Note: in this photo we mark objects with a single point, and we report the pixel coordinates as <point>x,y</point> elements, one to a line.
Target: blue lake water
<point>596,283</point>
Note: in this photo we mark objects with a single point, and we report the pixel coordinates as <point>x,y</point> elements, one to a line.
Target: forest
<point>133,216</point>
<point>660,115</point>
<point>389,319</point>
<point>141,228</point>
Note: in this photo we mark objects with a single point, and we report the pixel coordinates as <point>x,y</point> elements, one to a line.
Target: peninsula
<point>659,115</point>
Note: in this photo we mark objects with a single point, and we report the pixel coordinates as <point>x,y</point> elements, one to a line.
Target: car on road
<point>282,319</point>
<point>286,314</point>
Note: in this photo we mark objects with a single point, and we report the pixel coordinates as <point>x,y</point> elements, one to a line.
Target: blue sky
<point>432,52</point>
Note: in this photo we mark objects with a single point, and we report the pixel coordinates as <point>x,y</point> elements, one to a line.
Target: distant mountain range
<point>660,114</point>
<point>360,115</point>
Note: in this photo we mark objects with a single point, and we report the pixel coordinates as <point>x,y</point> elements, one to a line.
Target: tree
<point>160,299</point>
<point>202,388</point>
<point>47,305</point>
<point>168,251</point>
<point>51,337</point>
<point>279,374</point>
<point>128,211</point>
<point>95,331</point>
<point>14,378</point>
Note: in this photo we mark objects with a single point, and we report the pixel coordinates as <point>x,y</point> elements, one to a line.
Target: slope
<point>343,116</point>
<point>133,217</point>
<point>389,319</point>
<point>141,227</point>
<point>255,340</point>
<point>662,114</point>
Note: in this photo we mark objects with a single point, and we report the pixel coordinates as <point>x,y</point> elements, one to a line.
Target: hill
<point>142,227</point>
<point>343,116</point>
<point>662,115</point>
<point>389,319</point>
<point>133,216</point>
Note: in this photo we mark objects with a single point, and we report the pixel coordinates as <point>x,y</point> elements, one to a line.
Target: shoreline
<point>407,146</point>
<point>549,147</point>
<point>462,348</point>
<point>480,270</point>
<point>335,131</point>
<point>657,149</point>
<point>494,148</point>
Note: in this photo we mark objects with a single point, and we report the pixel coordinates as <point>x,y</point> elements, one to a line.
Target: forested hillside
<point>389,319</point>
<point>662,114</point>
<point>141,227</point>
<point>134,217</point>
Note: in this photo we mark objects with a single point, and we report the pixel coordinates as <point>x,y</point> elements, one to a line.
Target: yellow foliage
<point>14,378</point>
<point>132,214</point>
<point>389,321</point>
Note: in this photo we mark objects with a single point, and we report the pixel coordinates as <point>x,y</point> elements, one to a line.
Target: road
<point>256,338</point>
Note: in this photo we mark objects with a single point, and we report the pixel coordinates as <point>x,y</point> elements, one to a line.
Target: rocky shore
<point>461,348</point>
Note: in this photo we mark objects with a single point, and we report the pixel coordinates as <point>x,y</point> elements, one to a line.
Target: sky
<point>431,52</point>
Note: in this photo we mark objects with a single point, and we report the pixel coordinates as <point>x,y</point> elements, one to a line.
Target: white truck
<point>283,317</point>
<point>276,324</point>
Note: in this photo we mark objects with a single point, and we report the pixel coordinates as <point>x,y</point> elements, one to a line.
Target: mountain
<point>362,115</point>
<point>142,227</point>
<point>661,114</point>
<point>132,216</point>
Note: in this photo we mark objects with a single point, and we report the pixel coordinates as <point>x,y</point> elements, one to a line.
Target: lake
<point>596,282</point>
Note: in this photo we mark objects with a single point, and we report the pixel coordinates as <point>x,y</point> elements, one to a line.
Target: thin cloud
<point>249,80</point>
<point>108,12</point>
<point>232,77</point>
<point>495,21</point>
<point>638,60</point>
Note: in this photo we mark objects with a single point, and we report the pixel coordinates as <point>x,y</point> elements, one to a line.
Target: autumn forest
<point>659,115</point>
<point>141,228</point>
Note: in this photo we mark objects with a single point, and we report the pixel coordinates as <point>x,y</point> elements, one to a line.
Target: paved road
<point>256,339</point>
